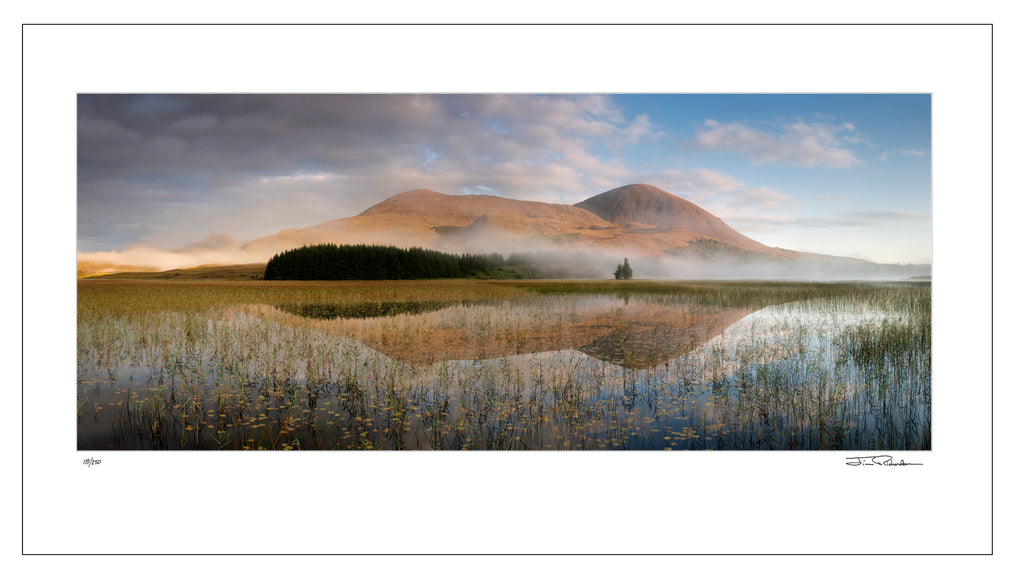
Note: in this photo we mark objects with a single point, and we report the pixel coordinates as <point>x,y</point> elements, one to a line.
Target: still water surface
<point>557,372</point>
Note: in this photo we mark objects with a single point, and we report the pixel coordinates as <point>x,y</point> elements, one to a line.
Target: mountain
<point>637,218</point>
<point>430,219</point>
<point>462,210</point>
<point>645,205</point>
<point>487,212</point>
<point>639,221</point>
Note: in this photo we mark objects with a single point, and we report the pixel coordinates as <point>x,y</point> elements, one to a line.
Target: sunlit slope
<point>430,219</point>
<point>648,210</point>
<point>640,218</point>
<point>639,221</point>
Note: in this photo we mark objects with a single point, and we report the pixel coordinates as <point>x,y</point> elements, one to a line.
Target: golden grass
<point>207,272</point>
<point>117,297</point>
<point>217,365</point>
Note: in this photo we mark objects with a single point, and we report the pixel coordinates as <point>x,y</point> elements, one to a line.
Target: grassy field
<point>461,364</point>
<point>209,272</point>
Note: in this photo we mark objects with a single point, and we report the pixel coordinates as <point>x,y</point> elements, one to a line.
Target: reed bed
<point>218,365</point>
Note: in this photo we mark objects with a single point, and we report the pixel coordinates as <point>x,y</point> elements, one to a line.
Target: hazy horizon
<point>845,175</point>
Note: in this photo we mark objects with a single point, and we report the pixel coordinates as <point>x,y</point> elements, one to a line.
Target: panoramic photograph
<point>504,272</point>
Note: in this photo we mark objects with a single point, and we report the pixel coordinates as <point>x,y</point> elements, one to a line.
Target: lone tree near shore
<point>623,270</point>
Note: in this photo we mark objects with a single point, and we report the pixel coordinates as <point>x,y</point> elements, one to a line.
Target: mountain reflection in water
<point>636,332</point>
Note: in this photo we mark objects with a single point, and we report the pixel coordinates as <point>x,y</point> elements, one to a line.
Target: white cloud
<point>749,222</point>
<point>883,216</point>
<point>719,189</point>
<point>694,181</point>
<point>748,209</point>
<point>300,177</point>
<point>858,219</point>
<point>339,154</point>
<point>640,129</point>
<point>799,143</point>
<point>762,198</point>
<point>912,153</point>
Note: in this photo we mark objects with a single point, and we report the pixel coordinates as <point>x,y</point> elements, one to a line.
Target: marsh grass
<point>507,365</point>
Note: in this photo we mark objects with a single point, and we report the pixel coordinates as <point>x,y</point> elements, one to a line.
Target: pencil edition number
<point>90,462</point>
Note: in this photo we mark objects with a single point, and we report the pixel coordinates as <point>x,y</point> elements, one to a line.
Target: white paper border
<point>543,502</point>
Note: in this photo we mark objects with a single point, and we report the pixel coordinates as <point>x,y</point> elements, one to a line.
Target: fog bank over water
<point>601,265</point>
<point>551,261</point>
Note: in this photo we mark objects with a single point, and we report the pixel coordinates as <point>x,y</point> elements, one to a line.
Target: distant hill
<point>638,221</point>
<point>648,205</point>
<point>430,219</point>
<point>636,218</point>
<point>463,210</point>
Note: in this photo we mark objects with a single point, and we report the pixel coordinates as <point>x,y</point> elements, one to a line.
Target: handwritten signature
<point>90,462</point>
<point>882,460</point>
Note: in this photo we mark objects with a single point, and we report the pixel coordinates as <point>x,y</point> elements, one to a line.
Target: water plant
<point>503,365</point>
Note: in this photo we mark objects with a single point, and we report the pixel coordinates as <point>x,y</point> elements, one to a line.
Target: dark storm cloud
<point>241,133</point>
<point>208,159</point>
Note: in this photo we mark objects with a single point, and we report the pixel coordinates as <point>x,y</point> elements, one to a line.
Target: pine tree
<point>627,271</point>
<point>623,270</point>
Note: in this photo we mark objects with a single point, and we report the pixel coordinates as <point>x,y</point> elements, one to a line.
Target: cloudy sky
<point>839,174</point>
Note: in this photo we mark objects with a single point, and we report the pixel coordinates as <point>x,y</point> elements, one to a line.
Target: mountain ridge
<point>649,205</point>
<point>639,221</point>
<point>639,218</point>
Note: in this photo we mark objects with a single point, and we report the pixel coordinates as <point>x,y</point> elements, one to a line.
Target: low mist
<point>601,265</point>
<point>569,258</point>
<point>144,258</point>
